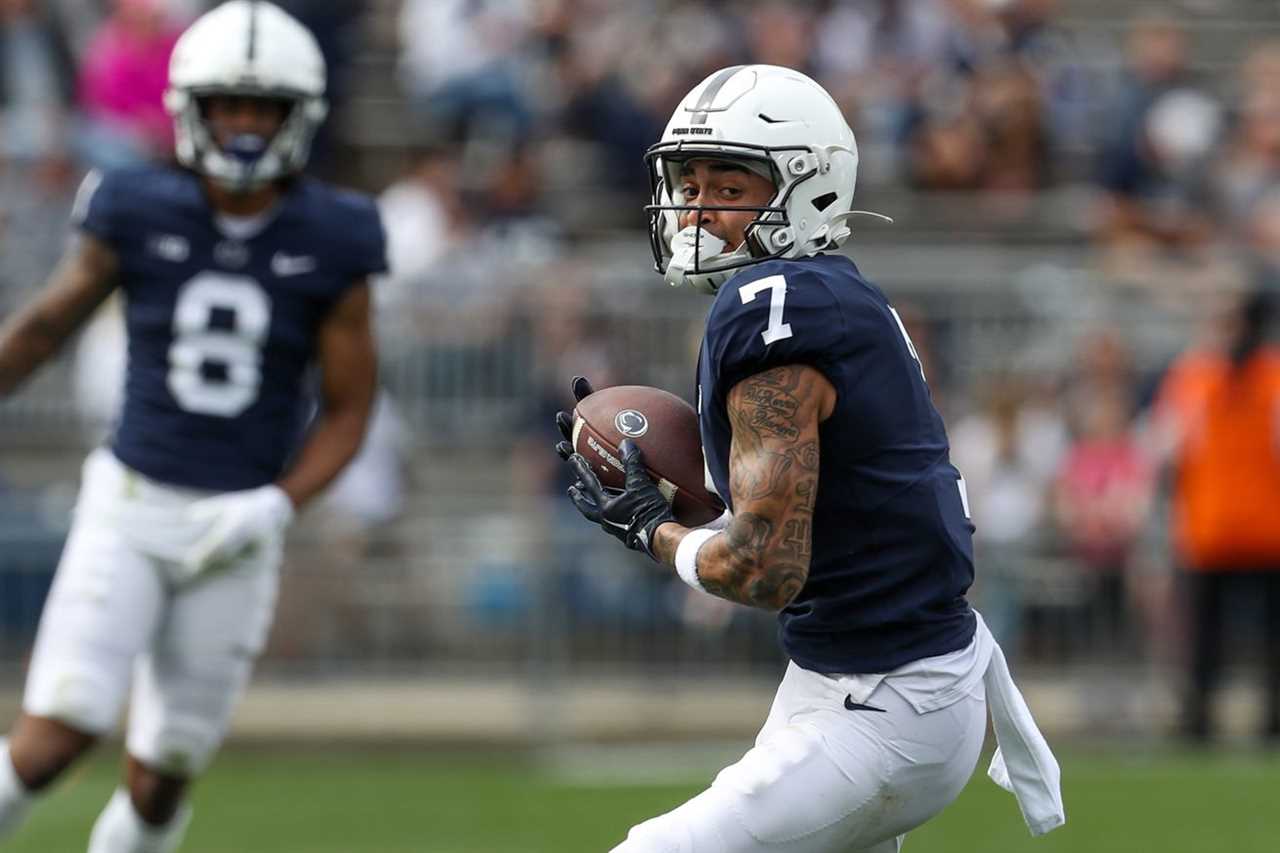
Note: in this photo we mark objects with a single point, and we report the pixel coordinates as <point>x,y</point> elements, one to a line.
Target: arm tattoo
<point>759,481</point>
<point>763,558</point>
<point>749,533</point>
<point>797,537</point>
<point>747,536</point>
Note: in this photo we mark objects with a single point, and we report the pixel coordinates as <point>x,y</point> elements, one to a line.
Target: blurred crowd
<point>510,176</point>
<point>522,123</point>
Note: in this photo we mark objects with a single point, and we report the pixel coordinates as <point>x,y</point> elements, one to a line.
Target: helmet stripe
<point>253,29</point>
<point>708,96</point>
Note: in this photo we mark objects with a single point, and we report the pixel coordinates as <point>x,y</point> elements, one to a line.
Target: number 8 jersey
<point>892,554</point>
<point>222,326</point>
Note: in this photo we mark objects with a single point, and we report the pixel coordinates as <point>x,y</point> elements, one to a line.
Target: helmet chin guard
<point>692,250</point>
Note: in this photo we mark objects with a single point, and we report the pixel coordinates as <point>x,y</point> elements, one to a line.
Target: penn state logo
<point>631,423</point>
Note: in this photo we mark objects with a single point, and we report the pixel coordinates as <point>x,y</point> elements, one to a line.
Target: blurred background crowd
<point>1082,190</point>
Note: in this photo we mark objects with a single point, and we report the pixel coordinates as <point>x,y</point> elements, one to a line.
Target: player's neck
<point>249,203</point>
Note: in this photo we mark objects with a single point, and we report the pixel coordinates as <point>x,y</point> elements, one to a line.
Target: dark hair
<point>1257,309</point>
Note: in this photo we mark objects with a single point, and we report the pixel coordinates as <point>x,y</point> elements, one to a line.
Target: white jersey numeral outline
<point>906,337</point>
<point>911,347</point>
<point>776,330</point>
<point>239,348</point>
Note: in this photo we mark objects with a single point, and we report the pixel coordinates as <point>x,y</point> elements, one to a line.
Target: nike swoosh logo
<point>851,705</point>
<point>284,265</point>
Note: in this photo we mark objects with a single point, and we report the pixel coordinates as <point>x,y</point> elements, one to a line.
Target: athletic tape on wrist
<point>687,556</point>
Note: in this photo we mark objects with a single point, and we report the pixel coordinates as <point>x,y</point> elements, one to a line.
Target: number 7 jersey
<point>892,553</point>
<point>221,327</point>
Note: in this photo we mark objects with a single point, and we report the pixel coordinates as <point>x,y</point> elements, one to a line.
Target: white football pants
<point>823,778</point>
<point>116,614</point>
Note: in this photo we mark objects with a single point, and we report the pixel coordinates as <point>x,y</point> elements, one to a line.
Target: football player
<point>847,517</point>
<point>237,274</point>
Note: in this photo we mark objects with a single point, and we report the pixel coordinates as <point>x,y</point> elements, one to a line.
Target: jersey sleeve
<point>366,240</point>
<point>782,314</point>
<point>96,210</point>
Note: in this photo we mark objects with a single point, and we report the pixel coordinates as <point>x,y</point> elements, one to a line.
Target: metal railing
<point>488,567</point>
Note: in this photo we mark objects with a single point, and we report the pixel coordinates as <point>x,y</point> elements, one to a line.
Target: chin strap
<point>833,234</point>
<point>838,230</point>
<point>852,213</point>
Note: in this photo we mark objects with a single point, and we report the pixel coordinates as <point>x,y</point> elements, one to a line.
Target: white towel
<point>1023,764</point>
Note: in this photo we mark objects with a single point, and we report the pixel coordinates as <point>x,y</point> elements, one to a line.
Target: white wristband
<point>687,556</point>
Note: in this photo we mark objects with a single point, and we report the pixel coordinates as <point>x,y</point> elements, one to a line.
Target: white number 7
<point>777,330</point>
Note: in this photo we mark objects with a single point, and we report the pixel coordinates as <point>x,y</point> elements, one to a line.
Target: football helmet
<point>250,48</point>
<point>776,122</point>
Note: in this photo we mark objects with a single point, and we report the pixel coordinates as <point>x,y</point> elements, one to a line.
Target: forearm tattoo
<point>763,558</point>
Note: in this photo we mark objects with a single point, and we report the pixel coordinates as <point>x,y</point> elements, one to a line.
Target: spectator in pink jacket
<point>1101,501</point>
<point>122,82</point>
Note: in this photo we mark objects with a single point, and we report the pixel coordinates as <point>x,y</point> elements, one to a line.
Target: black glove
<point>564,420</point>
<point>630,515</point>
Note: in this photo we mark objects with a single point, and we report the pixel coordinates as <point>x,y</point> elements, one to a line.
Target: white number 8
<point>238,348</point>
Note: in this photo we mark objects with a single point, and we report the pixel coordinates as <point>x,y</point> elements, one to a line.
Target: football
<point>666,430</point>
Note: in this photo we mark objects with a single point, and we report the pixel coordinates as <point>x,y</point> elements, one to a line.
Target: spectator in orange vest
<point>1219,406</point>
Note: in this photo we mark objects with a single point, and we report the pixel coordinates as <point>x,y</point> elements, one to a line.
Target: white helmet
<point>246,47</point>
<point>781,123</point>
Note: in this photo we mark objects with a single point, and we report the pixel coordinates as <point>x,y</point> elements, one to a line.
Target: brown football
<point>666,429</point>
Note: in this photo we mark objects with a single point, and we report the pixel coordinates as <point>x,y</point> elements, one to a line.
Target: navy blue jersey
<point>892,553</point>
<point>221,330</point>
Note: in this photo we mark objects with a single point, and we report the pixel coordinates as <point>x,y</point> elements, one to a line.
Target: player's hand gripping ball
<point>662,426</point>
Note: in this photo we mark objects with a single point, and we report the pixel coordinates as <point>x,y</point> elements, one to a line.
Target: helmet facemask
<point>694,256</point>
<point>250,161</point>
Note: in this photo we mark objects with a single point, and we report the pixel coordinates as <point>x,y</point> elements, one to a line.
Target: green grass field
<point>396,801</point>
